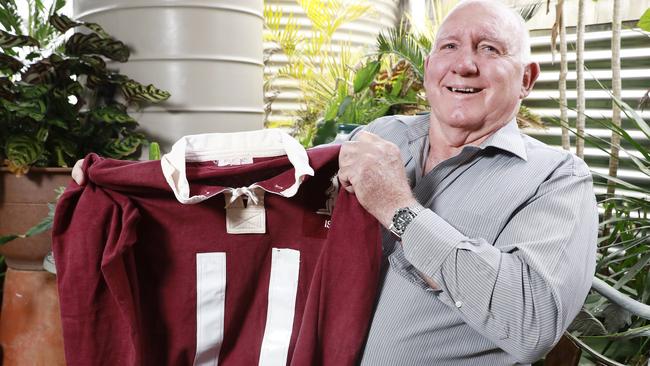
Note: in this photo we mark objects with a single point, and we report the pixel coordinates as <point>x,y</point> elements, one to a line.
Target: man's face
<point>474,77</point>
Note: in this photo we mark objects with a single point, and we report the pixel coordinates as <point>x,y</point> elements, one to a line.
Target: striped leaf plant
<point>57,106</point>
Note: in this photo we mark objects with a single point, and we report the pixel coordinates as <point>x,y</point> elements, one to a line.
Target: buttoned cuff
<point>428,241</point>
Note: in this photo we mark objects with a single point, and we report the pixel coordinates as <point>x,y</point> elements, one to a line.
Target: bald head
<point>510,22</point>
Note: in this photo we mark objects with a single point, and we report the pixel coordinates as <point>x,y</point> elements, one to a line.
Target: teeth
<point>464,90</point>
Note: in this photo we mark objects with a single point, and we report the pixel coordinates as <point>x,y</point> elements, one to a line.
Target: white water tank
<point>206,53</point>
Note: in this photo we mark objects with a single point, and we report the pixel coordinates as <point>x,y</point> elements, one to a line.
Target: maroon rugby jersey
<point>153,269</point>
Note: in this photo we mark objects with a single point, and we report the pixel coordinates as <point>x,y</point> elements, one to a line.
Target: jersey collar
<point>228,146</point>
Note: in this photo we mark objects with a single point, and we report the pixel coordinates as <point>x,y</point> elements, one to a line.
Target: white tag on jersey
<point>245,218</point>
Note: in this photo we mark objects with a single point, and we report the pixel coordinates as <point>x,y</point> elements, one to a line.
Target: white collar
<point>219,146</point>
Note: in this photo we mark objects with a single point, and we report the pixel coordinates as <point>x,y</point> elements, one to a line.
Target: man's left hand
<point>372,169</point>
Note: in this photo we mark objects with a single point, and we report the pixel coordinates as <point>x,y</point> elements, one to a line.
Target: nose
<point>465,64</point>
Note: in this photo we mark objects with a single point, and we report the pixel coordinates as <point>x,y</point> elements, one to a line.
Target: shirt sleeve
<point>92,233</point>
<point>523,290</point>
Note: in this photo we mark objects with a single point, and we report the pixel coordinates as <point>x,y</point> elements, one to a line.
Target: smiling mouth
<point>464,90</point>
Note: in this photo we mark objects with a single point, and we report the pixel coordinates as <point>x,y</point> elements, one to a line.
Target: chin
<point>463,121</point>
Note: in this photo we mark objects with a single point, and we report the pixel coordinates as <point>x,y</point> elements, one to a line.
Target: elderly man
<point>492,249</point>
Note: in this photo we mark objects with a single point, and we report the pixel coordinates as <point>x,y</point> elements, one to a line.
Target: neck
<point>446,141</point>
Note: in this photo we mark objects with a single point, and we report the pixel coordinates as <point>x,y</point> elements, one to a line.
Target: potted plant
<point>60,99</point>
<point>56,107</point>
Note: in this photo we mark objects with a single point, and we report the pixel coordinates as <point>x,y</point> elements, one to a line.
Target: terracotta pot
<point>23,204</point>
<point>30,325</point>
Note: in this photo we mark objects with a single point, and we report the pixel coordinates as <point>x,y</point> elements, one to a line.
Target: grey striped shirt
<point>510,237</point>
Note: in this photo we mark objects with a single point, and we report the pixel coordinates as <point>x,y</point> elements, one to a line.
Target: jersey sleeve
<point>92,234</point>
<point>341,298</point>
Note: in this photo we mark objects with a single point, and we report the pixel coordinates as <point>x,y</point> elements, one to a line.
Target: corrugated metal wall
<point>635,63</point>
<point>360,34</point>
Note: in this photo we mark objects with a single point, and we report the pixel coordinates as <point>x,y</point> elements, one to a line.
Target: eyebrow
<point>483,36</point>
<point>501,43</point>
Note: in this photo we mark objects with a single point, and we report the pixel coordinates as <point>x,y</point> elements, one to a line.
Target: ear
<point>426,66</point>
<point>531,73</point>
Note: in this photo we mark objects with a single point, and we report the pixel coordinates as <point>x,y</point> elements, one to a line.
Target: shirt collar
<point>228,146</point>
<point>507,138</point>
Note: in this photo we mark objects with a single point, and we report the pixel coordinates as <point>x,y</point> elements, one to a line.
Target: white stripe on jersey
<point>283,285</point>
<point>210,304</point>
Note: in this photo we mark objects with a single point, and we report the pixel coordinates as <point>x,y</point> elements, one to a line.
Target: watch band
<point>402,218</point>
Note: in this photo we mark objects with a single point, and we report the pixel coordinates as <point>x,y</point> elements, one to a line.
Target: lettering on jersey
<point>331,193</point>
<point>316,224</point>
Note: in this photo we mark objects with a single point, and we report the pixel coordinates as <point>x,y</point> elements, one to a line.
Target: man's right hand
<point>78,174</point>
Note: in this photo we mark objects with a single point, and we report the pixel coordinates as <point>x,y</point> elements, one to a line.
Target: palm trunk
<point>580,79</point>
<point>616,91</point>
<point>566,142</point>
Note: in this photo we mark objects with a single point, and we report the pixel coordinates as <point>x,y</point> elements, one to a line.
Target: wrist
<point>391,208</point>
<point>403,217</point>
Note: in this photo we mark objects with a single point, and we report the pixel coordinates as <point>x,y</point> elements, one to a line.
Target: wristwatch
<point>402,218</point>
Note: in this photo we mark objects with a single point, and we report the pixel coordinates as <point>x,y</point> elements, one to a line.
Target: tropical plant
<point>57,106</point>
<point>376,91</point>
<point>609,334</point>
<point>315,62</point>
<point>35,25</point>
<point>613,327</point>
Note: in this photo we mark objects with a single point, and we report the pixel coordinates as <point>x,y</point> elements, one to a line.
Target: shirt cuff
<point>428,241</point>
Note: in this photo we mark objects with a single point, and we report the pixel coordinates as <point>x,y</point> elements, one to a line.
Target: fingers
<point>351,157</point>
<point>368,136</point>
<point>346,185</point>
<point>344,180</point>
<point>78,174</point>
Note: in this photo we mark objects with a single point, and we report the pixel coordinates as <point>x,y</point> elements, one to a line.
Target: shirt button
<point>458,304</point>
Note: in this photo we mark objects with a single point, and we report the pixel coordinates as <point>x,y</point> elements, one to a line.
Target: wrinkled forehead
<point>481,22</point>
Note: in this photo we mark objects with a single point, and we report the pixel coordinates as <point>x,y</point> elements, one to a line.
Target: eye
<point>489,48</point>
<point>448,46</point>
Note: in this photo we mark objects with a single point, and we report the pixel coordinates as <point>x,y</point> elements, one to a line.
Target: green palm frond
<point>318,12</point>
<point>349,13</point>
<point>9,17</point>
<point>404,45</point>
<point>272,17</point>
<point>316,46</point>
<point>288,37</point>
<point>328,16</point>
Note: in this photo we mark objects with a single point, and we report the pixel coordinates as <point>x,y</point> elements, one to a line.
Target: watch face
<point>402,219</point>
